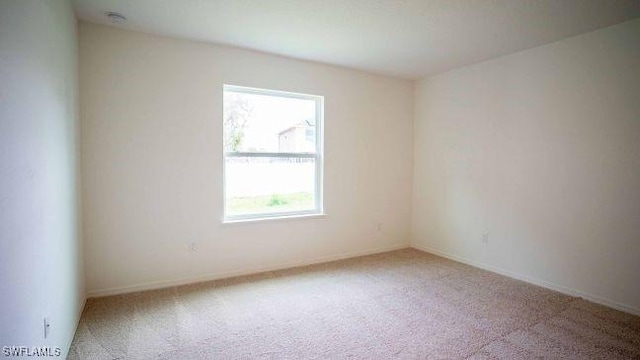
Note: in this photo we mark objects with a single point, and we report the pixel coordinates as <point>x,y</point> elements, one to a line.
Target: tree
<point>237,111</point>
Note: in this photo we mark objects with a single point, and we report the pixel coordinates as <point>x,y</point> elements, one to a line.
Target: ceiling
<point>404,38</point>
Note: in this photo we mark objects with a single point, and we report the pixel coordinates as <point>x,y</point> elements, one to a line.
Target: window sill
<point>273,218</point>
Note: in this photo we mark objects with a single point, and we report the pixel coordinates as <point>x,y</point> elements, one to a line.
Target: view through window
<point>272,150</point>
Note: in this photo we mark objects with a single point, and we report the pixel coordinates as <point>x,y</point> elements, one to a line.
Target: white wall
<point>542,150</point>
<point>40,251</point>
<point>152,164</point>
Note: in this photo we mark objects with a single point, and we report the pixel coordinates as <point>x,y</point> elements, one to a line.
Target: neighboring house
<point>299,137</point>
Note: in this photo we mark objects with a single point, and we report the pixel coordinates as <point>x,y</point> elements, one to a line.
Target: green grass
<point>269,203</point>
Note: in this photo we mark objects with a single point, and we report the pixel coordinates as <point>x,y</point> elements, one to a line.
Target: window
<point>272,153</point>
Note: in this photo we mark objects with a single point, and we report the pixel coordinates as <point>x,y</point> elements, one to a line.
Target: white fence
<point>266,176</point>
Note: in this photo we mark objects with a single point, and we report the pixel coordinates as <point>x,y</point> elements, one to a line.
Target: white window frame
<point>318,155</point>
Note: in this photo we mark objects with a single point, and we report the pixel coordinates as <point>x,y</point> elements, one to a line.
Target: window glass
<point>272,153</point>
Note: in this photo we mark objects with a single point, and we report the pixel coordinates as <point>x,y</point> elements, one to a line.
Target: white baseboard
<point>223,275</point>
<point>65,353</point>
<point>549,285</point>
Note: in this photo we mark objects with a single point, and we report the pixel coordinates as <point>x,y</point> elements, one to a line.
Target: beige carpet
<point>403,304</point>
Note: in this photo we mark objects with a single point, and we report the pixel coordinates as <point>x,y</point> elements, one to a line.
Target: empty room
<point>302,179</point>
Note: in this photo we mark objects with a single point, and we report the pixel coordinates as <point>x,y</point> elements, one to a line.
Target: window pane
<point>263,185</point>
<point>268,123</point>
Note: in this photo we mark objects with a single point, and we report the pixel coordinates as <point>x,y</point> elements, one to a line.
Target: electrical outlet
<point>485,238</point>
<point>47,327</point>
<point>193,247</point>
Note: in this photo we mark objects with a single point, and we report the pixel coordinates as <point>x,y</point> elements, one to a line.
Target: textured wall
<point>152,163</point>
<point>41,271</point>
<point>541,149</point>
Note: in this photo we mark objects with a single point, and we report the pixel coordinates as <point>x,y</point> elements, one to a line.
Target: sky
<point>271,115</point>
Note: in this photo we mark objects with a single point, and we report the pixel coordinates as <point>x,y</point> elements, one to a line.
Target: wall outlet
<point>47,327</point>
<point>485,238</point>
<point>193,247</point>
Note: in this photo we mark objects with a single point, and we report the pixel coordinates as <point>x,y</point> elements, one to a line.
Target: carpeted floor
<point>403,304</point>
